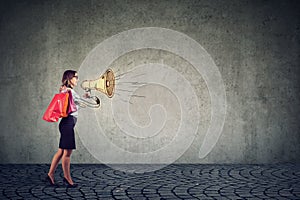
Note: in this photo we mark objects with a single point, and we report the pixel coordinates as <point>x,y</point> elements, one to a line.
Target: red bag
<point>57,107</point>
<point>72,106</point>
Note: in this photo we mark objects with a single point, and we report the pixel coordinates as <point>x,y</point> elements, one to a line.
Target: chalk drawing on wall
<point>168,90</point>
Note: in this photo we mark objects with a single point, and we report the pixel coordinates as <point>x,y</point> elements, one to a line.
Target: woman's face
<point>74,80</point>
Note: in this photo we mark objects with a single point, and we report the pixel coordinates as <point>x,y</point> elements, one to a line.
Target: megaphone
<point>105,83</point>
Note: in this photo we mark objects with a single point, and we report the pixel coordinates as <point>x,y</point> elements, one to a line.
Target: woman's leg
<point>66,159</point>
<point>56,158</point>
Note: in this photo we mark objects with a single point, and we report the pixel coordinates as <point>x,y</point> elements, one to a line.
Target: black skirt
<point>67,135</point>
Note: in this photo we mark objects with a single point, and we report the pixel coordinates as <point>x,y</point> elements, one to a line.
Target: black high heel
<point>69,184</point>
<point>49,180</point>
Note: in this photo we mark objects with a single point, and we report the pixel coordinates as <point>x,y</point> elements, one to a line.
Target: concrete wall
<point>254,44</point>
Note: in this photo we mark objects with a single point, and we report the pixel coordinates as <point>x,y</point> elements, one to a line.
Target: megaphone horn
<point>104,84</point>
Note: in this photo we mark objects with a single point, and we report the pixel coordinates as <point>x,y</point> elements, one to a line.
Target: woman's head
<point>70,78</point>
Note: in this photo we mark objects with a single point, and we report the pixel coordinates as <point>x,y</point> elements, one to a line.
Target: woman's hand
<point>87,95</point>
<point>63,88</point>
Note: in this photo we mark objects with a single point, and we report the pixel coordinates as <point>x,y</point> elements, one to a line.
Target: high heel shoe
<point>69,184</point>
<point>49,180</point>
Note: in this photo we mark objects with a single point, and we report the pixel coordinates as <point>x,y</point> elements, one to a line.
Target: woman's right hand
<point>87,95</point>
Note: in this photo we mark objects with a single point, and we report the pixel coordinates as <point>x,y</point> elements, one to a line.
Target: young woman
<point>67,136</point>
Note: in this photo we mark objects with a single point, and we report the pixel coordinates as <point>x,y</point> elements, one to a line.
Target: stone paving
<point>184,181</point>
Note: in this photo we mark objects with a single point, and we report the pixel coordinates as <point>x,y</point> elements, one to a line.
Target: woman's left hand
<point>64,89</point>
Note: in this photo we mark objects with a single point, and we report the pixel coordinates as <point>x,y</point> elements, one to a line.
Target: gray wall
<point>255,45</point>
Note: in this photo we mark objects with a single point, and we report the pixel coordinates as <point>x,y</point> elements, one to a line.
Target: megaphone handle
<point>83,103</point>
<point>88,94</point>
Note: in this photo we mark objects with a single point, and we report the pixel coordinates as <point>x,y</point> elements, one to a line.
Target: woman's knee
<point>67,152</point>
<point>60,152</point>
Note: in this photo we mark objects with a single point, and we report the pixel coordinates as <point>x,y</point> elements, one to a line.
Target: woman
<point>67,136</point>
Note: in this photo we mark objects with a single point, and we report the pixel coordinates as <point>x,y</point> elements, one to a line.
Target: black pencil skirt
<point>67,135</point>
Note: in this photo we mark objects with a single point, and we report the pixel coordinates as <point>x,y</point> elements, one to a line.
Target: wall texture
<point>254,44</point>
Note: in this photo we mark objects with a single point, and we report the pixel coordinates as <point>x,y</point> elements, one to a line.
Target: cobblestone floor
<point>189,181</point>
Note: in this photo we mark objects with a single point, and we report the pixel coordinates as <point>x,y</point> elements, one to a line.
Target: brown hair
<point>67,76</point>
